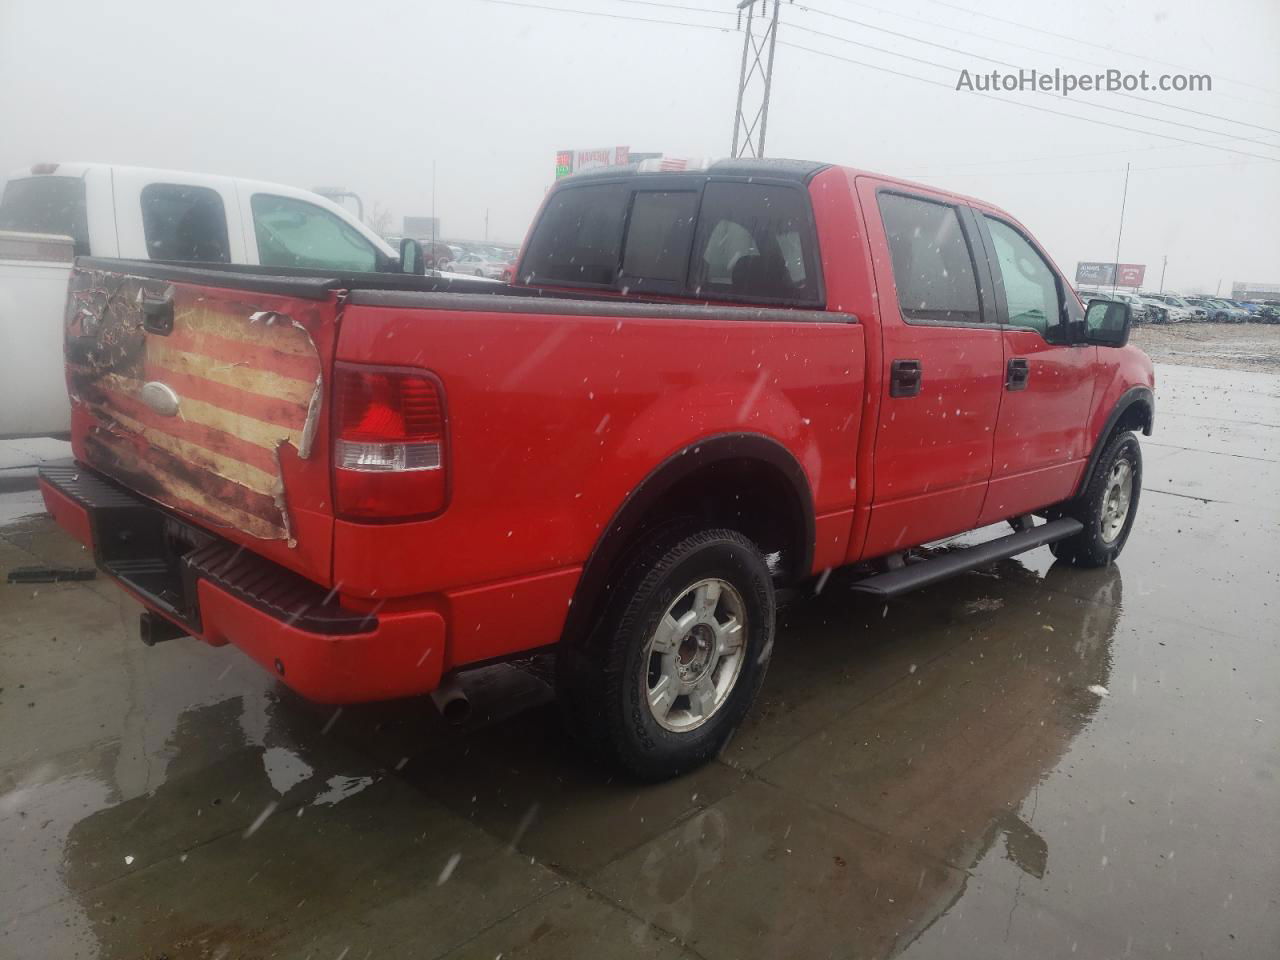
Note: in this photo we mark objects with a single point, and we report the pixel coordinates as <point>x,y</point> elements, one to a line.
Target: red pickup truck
<point>702,389</point>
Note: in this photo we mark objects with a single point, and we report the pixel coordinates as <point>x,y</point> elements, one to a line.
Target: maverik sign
<point>573,161</point>
<point>1110,274</point>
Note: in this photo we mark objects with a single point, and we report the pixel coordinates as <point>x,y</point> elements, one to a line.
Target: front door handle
<point>905,378</point>
<point>1019,372</point>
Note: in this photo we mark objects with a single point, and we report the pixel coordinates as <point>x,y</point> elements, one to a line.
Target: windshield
<point>640,480</point>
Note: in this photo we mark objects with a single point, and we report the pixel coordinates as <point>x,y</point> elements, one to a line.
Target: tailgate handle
<point>157,314</point>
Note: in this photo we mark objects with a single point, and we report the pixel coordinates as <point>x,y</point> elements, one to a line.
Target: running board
<point>927,572</point>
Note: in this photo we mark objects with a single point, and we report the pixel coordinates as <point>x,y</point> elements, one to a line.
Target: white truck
<point>53,212</point>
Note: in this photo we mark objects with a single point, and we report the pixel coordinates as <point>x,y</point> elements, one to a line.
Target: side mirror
<point>411,257</point>
<point>1107,323</point>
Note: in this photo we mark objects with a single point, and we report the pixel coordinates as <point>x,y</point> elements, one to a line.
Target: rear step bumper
<point>221,593</point>
<point>926,572</point>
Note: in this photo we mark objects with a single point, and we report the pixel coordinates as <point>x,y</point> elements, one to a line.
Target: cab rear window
<point>718,240</point>
<point>47,205</point>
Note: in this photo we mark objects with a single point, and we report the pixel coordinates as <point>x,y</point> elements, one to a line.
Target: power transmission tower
<point>757,47</point>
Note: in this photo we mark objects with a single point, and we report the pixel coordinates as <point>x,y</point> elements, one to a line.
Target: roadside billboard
<point>574,161</point>
<point>1094,274</point>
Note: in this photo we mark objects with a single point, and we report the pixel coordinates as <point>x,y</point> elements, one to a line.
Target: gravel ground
<point>1243,346</point>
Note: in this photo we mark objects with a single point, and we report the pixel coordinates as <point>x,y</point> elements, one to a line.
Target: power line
<point>678,6</point>
<point>1086,103</point>
<point>1014,66</point>
<point>1087,43</point>
<point>1072,173</point>
<point>1028,106</point>
<point>610,16</point>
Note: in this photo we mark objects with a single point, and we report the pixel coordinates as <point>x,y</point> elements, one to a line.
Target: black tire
<point>1090,547</point>
<point>602,682</point>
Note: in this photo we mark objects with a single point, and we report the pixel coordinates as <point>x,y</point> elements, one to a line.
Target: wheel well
<point>1137,416</point>
<point>743,482</point>
<point>747,495</point>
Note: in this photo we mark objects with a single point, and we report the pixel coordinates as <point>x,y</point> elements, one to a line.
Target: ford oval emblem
<point>160,398</point>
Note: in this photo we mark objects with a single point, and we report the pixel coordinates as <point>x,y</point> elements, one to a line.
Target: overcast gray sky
<point>368,94</point>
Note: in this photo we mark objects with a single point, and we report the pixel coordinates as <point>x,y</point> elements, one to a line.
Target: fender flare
<point>629,518</point>
<point>1132,396</point>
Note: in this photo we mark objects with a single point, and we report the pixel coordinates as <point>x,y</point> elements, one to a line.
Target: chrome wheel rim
<point>694,657</point>
<point>1116,500</point>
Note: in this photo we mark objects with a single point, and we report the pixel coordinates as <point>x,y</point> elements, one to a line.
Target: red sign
<point>1130,274</point>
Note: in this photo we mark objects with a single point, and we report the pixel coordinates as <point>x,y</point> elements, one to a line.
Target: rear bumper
<point>222,594</point>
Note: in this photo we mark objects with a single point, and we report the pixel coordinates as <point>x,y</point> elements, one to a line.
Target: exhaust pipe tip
<point>452,702</point>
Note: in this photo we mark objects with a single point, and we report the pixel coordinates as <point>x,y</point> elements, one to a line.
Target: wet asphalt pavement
<point>1028,761</point>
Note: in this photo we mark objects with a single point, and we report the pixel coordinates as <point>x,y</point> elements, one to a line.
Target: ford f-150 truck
<point>702,389</point>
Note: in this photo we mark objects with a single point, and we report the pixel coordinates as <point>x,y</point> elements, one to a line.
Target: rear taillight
<point>389,443</point>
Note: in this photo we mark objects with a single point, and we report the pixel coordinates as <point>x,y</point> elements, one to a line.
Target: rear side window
<point>932,265</point>
<point>182,222</point>
<point>47,205</point>
<point>578,239</point>
<point>754,241</point>
<point>740,241</point>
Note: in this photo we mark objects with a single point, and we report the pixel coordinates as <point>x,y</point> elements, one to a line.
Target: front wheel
<point>677,660</point>
<point>1108,506</point>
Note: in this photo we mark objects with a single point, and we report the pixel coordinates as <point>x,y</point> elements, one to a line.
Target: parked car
<point>439,256</point>
<point>1216,310</point>
<point>1235,313</point>
<point>562,463</point>
<point>1187,311</point>
<point>1246,306</point>
<point>1160,312</point>
<point>480,265</point>
<point>159,215</point>
<point>1144,310</point>
<point>1268,313</point>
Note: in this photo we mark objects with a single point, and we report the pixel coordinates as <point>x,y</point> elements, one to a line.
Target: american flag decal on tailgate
<point>247,381</point>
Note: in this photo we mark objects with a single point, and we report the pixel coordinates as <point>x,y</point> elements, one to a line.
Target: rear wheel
<point>676,661</point>
<point>1108,506</point>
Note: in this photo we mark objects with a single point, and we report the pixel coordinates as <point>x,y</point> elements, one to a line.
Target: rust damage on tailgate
<point>246,381</point>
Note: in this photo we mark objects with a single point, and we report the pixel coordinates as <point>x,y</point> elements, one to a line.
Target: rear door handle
<point>1019,372</point>
<point>905,378</point>
<point>157,314</point>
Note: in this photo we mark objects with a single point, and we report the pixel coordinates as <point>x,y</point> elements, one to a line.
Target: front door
<point>1041,438</point>
<point>944,368</point>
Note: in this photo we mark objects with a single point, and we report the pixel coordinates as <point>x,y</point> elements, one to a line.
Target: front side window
<point>932,266</point>
<point>754,241</point>
<point>53,205</point>
<point>295,233</point>
<point>186,223</point>
<point>1030,286</point>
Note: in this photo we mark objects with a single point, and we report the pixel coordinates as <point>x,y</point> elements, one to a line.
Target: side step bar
<point>927,572</point>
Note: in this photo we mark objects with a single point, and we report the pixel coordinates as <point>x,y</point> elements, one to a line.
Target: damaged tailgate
<point>205,393</point>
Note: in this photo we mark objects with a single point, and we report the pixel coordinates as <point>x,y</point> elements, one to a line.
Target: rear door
<point>208,399</point>
<point>944,366</point>
<point>1041,438</point>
